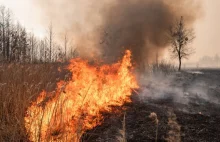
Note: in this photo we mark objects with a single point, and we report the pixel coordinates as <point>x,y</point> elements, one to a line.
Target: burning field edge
<point>196,120</point>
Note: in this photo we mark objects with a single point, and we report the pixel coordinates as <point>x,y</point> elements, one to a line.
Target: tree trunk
<point>8,36</point>
<point>65,45</point>
<point>7,48</point>
<point>50,42</point>
<point>180,62</point>
<point>3,38</point>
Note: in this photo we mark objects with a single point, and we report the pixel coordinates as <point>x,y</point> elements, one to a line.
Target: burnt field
<point>187,110</point>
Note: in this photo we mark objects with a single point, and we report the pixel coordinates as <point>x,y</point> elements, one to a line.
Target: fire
<point>77,104</point>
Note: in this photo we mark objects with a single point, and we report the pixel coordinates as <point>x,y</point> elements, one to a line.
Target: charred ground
<point>197,118</point>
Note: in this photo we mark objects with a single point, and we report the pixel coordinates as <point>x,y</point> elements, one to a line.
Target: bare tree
<point>65,45</point>
<point>180,37</point>
<point>18,45</point>
<point>73,52</point>
<point>33,45</point>
<point>42,49</point>
<point>23,45</point>
<point>8,33</point>
<point>50,41</point>
<point>3,26</point>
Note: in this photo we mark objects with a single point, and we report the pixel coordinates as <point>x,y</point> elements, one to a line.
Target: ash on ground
<point>187,105</point>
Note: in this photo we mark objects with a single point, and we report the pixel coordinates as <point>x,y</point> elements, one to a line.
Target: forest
<point>19,45</point>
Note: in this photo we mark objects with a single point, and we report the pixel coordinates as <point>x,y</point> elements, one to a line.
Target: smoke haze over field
<point>182,87</point>
<point>73,16</point>
<point>106,27</point>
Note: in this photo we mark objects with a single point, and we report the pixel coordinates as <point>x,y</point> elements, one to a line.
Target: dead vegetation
<point>175,129</point>
<point>122,132</point>
<point>154,118</point>
<point>19,84</point>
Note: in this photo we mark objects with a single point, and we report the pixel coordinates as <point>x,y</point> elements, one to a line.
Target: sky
<point>27,14</point>
<point>207,28</point>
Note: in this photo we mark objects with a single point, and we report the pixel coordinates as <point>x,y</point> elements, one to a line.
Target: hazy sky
<point>207,28</point>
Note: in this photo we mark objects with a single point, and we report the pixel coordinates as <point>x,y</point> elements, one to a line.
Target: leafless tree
<point>33,46</point>
<point>73,52</point>
<point>50,41</point>
<point>180,38</point>
<point>19,45</point>
<point>3,26</point>
<point>8,34</point>
<point>23,45</point>
<point>65,45</point>
<point>42,49</point>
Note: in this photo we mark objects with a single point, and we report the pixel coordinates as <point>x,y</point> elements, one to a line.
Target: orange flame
<point>77,104</point>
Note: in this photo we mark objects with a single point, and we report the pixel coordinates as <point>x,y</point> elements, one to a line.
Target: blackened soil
<point>199,119</point>
<point>199,128</point>
<point>139,127</point>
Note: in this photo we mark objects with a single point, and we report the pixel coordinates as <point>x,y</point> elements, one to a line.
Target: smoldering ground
<point>106,28</point>
<point>190,91</point>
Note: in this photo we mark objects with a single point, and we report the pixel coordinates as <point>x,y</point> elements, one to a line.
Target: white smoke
<point>180,87</point>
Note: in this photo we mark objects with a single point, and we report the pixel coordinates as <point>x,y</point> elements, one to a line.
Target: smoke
<point>187,88</point>
<point>159,86</point>
<point>142,26</point>
<point>105,28</point>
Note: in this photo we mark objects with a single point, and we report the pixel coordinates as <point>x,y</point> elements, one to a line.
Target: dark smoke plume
<point>111,26</point>
<point>142,26</point>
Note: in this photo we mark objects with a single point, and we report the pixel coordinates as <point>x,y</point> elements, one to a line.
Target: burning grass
<point>76,105</point>
<point>22,83</point>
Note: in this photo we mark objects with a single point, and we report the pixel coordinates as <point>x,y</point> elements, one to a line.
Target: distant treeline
<point>210,61</point>
<point>18,45</point>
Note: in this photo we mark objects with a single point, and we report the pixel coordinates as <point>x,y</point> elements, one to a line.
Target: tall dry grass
<point>19,85</point>
<point>154,118</point>
<point>163,67</point>
<point>122,132</point>
<point>174,134</point>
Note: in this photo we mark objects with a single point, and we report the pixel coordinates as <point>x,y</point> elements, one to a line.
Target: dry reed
<point>19,85</point>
